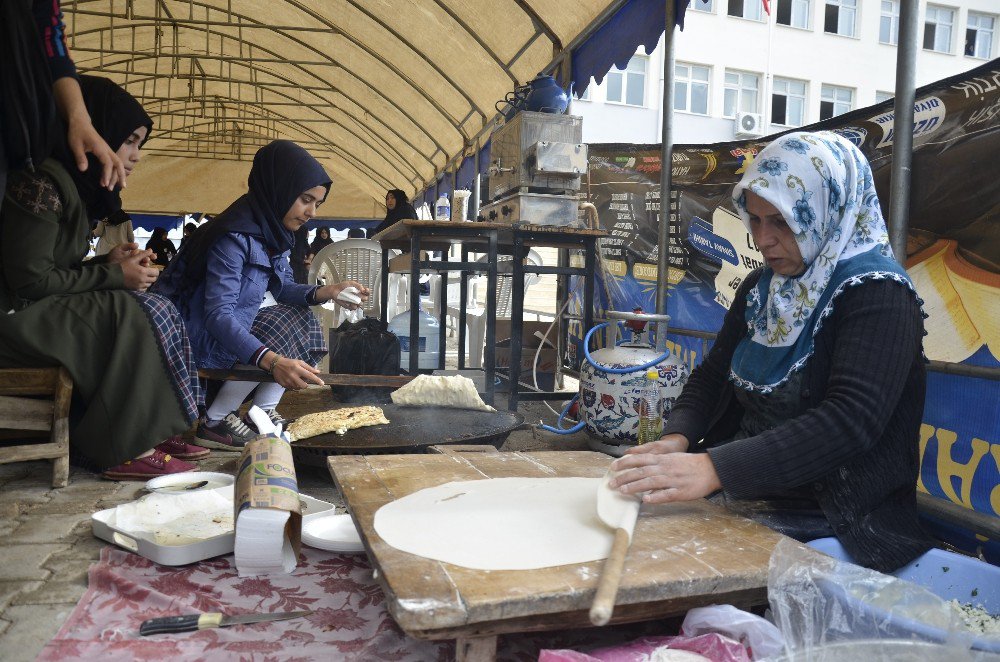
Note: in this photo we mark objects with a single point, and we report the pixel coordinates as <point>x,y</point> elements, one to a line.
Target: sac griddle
<point>411,430</point>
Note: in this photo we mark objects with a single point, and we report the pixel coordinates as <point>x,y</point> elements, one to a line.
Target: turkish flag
<point>767,6</point>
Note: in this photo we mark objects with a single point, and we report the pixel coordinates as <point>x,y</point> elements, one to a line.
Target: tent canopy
<point>386,94</point>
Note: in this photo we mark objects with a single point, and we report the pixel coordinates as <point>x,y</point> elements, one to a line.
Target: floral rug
<point>349,620</point>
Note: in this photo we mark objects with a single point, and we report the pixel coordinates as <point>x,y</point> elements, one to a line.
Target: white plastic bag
<point>760,637</point>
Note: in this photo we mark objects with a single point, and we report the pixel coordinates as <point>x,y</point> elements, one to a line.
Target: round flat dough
<point>500,523</point>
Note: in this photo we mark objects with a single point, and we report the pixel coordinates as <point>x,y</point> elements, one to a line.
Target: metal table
<point>523,237</point>
<point>414,236</point>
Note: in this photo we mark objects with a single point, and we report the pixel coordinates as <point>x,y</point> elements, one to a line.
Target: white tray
<point>143,544</point>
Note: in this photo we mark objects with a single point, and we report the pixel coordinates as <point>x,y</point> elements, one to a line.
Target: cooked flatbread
<point>336,420</point>
<point>440,391</point>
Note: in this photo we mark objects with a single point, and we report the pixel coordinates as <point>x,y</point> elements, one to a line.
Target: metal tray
<point>143,545</point>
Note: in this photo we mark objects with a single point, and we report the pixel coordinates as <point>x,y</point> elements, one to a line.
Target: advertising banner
<point>953,254</point>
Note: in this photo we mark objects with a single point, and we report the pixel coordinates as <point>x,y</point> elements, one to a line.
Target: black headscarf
<point>403,209</point>
<point>320,242</point>
<point>27,110</point>
<point>115,114</point>
<point>162,246</point>
<point>281,172</point>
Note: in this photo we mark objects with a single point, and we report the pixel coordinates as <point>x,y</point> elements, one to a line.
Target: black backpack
<point>363,348</point>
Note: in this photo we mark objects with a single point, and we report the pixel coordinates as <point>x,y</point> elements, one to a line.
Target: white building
<point>809,60</point>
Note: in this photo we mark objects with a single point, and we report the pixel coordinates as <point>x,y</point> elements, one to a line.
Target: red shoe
<point>151,466</point>
<point>175,446</point>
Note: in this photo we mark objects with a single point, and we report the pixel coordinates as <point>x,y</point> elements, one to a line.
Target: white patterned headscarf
<point>822,185</point>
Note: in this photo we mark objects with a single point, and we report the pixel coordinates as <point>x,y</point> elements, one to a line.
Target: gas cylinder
<point>609,402</point>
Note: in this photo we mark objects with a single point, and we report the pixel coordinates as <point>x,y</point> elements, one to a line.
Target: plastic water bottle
<point>427,342</point>
<point>650,414</point>
<point>442,209</point>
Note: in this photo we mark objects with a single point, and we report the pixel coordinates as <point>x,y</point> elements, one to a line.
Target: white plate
<point>334,533</point>
<point>215,480</point>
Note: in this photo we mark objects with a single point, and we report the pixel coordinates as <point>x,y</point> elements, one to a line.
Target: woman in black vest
<point>806,412</point>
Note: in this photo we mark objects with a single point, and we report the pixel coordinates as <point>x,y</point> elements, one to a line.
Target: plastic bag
<point>365,347</point>
<point>651,649</point>
<point>758,635</point>
<point>817,601</point>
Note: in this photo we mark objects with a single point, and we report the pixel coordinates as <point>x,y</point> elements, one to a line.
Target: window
<point>883,96</point>
<point>751,9</point>
<point>701,5</point>
<point>740,93</point>
<point>691,88</point>
<point>788,102</point>
<point>839,17</point>
<point>888,27</point>
<point>937,28</point>
<point>835,101</point>
<point>979,36</point>
<point>628,86</point>
<point>794,13</point>
<point>586,93</point>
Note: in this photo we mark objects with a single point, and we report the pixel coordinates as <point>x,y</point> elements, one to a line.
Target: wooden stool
<point>22,413</point>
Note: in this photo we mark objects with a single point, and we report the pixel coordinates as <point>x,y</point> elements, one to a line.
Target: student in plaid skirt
<point>234,288</point>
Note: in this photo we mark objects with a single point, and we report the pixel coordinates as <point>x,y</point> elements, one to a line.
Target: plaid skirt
<point>291,331</point>
<point>175,349</point>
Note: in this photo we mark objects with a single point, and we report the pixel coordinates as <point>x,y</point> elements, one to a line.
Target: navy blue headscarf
<point>281,172</point>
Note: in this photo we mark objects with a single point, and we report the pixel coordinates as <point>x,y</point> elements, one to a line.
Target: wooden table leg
<point>476,649</point>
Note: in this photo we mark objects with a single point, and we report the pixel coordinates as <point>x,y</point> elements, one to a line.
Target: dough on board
<point>440,391</point>
<point>500,523</point>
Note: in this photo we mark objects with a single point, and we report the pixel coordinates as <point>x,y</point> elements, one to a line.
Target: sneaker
<point>231,433</point>
<point>272,414</point>
<point>151,466</point>
<point>175,446</point>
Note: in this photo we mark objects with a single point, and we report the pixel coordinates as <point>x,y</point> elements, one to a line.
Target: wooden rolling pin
<point>255,375</point>
<point>620,513</point>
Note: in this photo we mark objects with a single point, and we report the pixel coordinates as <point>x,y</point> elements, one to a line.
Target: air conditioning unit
<point>748,125</point>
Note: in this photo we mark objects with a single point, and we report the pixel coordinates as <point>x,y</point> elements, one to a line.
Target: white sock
<point>268,395</point>
<point>229,399</point>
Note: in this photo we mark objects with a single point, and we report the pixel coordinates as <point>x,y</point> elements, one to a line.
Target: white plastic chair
<point>349,259</point>
<point>475,315</point>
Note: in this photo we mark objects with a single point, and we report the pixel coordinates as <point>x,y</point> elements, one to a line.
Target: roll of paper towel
<point>268,516</point>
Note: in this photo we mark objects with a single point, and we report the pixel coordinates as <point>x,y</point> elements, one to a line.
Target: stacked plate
<point>334,533</point>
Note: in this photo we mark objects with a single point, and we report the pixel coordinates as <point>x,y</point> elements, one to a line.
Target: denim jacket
<point>221,311</point>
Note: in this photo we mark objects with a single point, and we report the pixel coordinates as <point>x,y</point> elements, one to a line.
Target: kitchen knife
<point>192,622</point>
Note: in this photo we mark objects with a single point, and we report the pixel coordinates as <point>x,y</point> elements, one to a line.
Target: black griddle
<point>411,430</point>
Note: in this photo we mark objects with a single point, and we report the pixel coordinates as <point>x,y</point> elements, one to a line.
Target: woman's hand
<point>330,292</point>
<point>665,475</point>
<point>122,252</point>
<point>138,274</point>
<point>82,137</point>
<point>668,443</point>
<point>291,373</point>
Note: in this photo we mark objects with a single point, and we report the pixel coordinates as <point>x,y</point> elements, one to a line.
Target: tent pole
<point>902,150</point>
<point>666,153</point>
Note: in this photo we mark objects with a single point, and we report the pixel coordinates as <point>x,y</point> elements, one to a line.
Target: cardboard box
<point>547,361</point>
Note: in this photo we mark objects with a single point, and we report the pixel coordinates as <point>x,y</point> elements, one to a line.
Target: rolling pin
<point>619,512</point>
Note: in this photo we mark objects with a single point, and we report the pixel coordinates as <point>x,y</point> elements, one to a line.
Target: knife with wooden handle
<point>193,622</point>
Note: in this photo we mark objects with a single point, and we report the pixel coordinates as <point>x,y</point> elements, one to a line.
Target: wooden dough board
<point>682,555</point>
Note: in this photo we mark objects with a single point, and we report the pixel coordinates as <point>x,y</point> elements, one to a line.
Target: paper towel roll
<point>268,516</point>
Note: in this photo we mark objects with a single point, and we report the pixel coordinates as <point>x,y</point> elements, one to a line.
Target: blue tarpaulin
<point>466,173</point>
<point>614,43</point>
<point>152,221</point>
<point>343,223</point>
